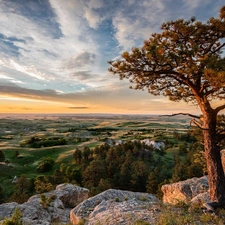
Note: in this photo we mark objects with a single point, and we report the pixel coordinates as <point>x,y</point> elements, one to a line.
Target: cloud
<point>92,17</point>
<point>83,75</point>
<point>10,79</point>
<point>93,13</point>
<point>26,108</point>
<point>84,59</point>
<point>39,53</point>
<point>110,99</point>
<point>137,21</point>
<point>74,107</point>
<point>57,51</point>
<point>96,4</point>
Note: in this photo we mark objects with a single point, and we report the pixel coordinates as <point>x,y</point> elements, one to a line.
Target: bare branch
<point>186,114</point>
<point>197,124</point>
<point>221,131</point>
<point>217,49</point>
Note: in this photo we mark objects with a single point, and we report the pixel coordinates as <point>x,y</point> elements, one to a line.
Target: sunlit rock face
<point>184,191</point>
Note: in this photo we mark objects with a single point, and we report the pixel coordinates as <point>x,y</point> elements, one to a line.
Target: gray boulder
<point>56,206</point>
<point>7,209</point>
<point>116,207</point>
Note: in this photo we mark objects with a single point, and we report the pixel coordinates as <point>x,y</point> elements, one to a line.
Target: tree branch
<point>221,46</point>
<point>197,124</point>
<point>186,114</point>
<point>219,108</point>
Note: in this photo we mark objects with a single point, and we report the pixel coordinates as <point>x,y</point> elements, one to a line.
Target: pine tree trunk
<point>213,159</point>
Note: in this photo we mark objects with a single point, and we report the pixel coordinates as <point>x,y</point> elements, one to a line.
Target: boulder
<point>184,191</point>
<point>7,209</point>
<point>70,195</point>
<point>55,208</point>
<point>116,207</point>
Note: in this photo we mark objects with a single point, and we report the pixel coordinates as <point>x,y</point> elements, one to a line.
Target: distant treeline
<point>38,142</point>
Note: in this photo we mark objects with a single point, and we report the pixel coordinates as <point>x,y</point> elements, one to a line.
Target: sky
<point>54,53</point>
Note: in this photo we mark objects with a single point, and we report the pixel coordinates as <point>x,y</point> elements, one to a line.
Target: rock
<point>159,145</point>
<point>7,209</point>
<point>184,191</point>
<point>71,195</point>
<point>116,207</point>
<point>15,179</point>
<point>200,199</point>
<point>56,207</point>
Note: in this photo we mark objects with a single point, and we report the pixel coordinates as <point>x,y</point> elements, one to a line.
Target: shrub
<point>15,219</point>
<point>141,222</point>
<point>42,184</point>
<point>45,201</point>
<point>45,165</point>
<point>82,221</point>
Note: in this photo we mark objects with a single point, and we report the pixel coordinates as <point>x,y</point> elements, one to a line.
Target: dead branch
<point>197,124</point>
<point>186,114</point>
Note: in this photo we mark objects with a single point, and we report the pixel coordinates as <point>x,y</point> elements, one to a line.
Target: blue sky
<point>54,53</point>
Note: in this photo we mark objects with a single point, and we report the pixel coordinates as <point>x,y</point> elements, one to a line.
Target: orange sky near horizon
<point>162,106</point>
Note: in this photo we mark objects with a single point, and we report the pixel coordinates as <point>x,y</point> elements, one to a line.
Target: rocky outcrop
<point>109,207</point>
<point>116,207</point>
<point>185,191</point>
<point>44,209</point>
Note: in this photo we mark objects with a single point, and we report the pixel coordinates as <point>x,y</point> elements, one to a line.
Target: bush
<point>45,165</point>
<point>42,184</point>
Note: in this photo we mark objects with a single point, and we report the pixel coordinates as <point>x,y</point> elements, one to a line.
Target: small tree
<point>86,153</point>
<point>45,165</point>
<point>2,156</point>
<point>16,154</point>
<point>22,190</point>
<point>185,62</point>
<point>77,155</point>
<point>42,184</point>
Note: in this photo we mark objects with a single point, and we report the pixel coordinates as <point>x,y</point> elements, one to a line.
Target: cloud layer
<point>57,51</point>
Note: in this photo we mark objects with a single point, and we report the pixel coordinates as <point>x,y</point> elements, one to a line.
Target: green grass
<point>28,160</point>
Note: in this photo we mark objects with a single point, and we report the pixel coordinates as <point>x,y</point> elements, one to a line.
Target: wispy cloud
<point>82,60</point>
<point>58,50</point>
<point>74,107</point>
